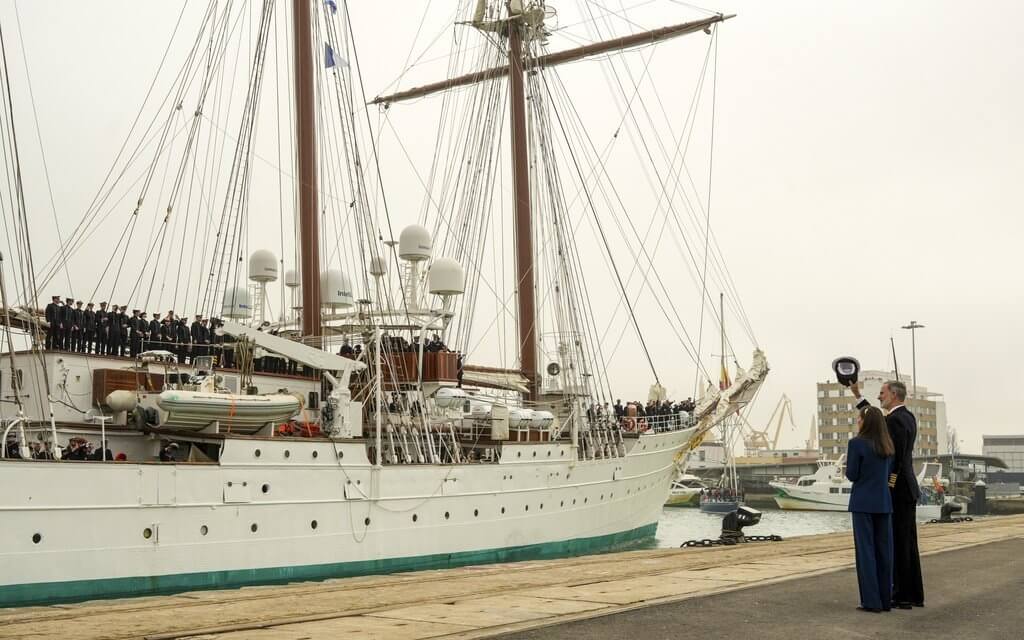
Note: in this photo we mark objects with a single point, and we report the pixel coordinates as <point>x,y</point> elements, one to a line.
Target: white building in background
<point>837,415</point>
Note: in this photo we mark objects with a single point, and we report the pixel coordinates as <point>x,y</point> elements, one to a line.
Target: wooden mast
<point>525,275</point>
<point>524,224</point>
<point>305,136</point>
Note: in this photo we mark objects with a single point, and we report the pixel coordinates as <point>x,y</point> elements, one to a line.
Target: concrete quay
<point>780,589</point>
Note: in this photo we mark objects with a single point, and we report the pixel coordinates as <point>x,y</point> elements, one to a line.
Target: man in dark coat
<point>135,330</point>
<point>154,331</point>
<point>102,328</point>
<point>54,316</point>
<point>78,327</point>
<point>196,332</point>
<point>908,588</point>
<point>88,328</point>
<point>68,323</point>
<point>184,341</point>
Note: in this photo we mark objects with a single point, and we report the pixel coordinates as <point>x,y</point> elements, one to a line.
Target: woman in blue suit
<point>868,463</point>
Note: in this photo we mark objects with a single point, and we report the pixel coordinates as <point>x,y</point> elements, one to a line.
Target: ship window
<point>847,489</point>
<point>316,453</point>
<point>314,399</point>
<point>366,522</point>
<point>503,509</point>
<point>147,533</point>
<point>476,512</point>
<point>257,453</point>
<point>534,454</point>
<point>447,515</point>
<point>36,538</point>
<point>527,508</point>
<point>415,517</point>
<point>265,488</point>
<point>833,490</point>
<point>561,503</point>
<point>203,530</point>
<point>313,525</point>
<point>253,527</point>
<point>287,453</point>
<point>542,505</point>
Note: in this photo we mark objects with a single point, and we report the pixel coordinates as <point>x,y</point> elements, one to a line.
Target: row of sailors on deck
<point>666,411</point>
<point>395,344</point>
<point>114,332</point>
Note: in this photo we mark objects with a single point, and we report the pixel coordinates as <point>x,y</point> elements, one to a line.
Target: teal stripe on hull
<point>79,590</point>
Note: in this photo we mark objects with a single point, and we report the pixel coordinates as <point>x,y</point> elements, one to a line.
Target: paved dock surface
<point>485,601</point>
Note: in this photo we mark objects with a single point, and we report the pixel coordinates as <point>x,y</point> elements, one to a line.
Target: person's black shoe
<point>869,609</point>
<point>903,605</point>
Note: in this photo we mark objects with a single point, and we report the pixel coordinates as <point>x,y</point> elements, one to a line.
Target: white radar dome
<point>335,289</point>
<point>415,244</point>
<point>447,278</point>
<point>378,266</point>
<point>262,266</point>
<point>237,304</point>
<point>291,278</point>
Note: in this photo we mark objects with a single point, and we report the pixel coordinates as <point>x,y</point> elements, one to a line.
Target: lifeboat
<point>195,410</point>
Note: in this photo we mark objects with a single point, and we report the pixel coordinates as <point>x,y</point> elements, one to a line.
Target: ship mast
<point>514,28</point>
<point>305,136</point>
<point>525,284</point>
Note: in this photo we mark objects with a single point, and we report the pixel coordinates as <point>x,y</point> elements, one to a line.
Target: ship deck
<point>476,602</point>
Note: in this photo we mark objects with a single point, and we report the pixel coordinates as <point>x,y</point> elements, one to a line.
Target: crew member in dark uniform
<point>196,331</point>
<point>54,315</point>
<point>68,323</point>
<point>134,337</point>
<point>154,331</point>
<point>122,323</point>
<point>78,327</point>
<point>88,328</point>
<point>102,326</point>
<point>184,342</point>
<point>113,331</point>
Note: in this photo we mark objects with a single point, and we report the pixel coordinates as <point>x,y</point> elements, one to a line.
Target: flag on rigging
<point>331,59</point>
<point>723,381</point>
<point>332,5</point>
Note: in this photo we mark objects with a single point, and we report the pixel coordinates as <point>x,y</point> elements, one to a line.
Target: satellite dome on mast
<point>446,278</point>
<point>335,289</point>
<point>415,244</point>
<point>237,304</point>
<point>262,266</point>
<point>291,278</point>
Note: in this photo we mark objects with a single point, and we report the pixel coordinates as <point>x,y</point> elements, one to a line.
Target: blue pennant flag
<point>332,5</point>
<point>332,59</point>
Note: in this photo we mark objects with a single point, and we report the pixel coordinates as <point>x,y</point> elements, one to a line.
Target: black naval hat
<point>89,304</point>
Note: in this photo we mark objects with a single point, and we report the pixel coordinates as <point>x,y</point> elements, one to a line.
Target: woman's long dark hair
<point>873,430</point>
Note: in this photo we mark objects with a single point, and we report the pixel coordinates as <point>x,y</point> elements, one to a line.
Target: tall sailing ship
<point>351,438</point>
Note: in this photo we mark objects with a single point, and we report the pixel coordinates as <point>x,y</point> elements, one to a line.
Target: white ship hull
<point>84,530</point>
<point>793,498</point>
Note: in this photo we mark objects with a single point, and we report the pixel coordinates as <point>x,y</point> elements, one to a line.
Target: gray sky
<point>864,169</point>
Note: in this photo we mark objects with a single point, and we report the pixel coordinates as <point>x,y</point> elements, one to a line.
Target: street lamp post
<point>913,326</point>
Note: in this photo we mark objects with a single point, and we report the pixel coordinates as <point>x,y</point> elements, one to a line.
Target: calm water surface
<point>678,525</point>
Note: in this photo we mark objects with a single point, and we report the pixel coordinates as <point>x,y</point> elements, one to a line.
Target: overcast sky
<point>867,168</point>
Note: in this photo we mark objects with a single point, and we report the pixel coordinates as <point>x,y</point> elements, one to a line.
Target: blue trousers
<point>872,540</point>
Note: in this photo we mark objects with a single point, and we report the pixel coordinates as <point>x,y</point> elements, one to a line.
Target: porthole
<point>586,500</point>
<point>313,525</point>
<point>366,522</point>
<point>287,453</point>
<point>534,454</point>
<point>147,533</point>
<point>265,488</point>
<point>542,505</point>
<point>574,500</point>
<point>527,507</point>
<point>415,517</point>
<point>602,496</point>
<point>447,515</point>
<point>203,530</point>
<point>253,527</point>
<point>37,538</point>
<point>549,453</point>
<point>519,454</point>
<point>476,512</point>
<point>341,454</point>
<point>503,510</point>
<point>316,454</point>
<point>256,453</point>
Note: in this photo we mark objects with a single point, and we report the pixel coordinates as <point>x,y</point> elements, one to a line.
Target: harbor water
<point>678,525</point>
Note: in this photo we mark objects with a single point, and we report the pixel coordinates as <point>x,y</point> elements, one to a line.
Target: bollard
<point>978,505</point>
